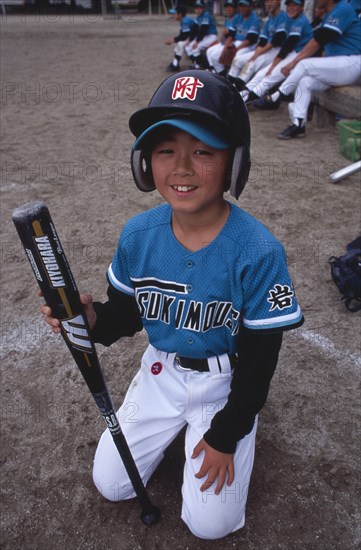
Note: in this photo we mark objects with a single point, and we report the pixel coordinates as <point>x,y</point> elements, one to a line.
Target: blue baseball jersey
<point>302,28</point>
<point>343,19</point>
<point>206,19</point>
<point>227,22</point>
<point>186,24</point>
<point>356,4</point>
<point>194,303</point>
<point>280,22</point>
<point>243,26</point>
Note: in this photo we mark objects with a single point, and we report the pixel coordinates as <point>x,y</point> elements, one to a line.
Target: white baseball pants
<point>261,84</point>
<point>317,74</point>
<point>214,52</point>
<point>240,67</point>
<point>179,47</point>
<point>202,45</point>
<point>161,400</point>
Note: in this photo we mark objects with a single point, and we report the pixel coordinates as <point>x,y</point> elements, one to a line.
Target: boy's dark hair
<point>182,10</point>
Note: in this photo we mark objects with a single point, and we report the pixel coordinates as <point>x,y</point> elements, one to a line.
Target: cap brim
<point>196,130</point>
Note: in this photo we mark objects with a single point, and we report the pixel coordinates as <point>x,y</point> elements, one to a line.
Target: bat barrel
<point>46,256</point>
<point>55,279</point>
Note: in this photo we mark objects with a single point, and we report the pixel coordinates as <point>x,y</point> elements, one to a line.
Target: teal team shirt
<point>344,21</point>
<point>193,303</point>
<point>278,23</point>
<point>301,27</point>
<point>242,26</point>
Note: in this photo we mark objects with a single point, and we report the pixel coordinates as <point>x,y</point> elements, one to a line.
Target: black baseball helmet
<point>207,106</point>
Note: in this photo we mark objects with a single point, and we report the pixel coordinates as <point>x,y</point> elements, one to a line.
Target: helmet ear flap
<point>240,170</point>
<point>141,170</point>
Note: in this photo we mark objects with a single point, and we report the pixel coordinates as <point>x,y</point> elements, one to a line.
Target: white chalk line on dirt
<point>329,348</point>
<point>9,187</point>
<point>22,343</point>
<point>29,335</point>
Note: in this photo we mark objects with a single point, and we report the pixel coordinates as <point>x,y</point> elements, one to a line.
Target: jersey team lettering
<point>186,87</point>
<point>156,305</point>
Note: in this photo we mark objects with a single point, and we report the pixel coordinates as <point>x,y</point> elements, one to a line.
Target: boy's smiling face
<point>293,10</point>
<point>188,174</point>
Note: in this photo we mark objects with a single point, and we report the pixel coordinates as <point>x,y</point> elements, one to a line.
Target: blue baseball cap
<point>244,2</point>
<point>298,2</point>
<point>194,128</point>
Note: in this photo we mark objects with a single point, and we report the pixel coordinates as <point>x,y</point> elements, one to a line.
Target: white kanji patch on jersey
<point>280,297</point>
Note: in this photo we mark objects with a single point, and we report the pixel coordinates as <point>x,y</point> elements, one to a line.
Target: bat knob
<point>150,516</point>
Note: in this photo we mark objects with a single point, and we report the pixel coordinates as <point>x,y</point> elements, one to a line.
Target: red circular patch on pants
<point>156,368</point>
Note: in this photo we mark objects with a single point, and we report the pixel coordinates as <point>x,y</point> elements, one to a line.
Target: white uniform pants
<point>317,74</point>
<point>179,47</point>
<point>261,84</point>
<point>161,399</point>
<point>240,67</point>
<point>214,52</point>
<point>202,45</point>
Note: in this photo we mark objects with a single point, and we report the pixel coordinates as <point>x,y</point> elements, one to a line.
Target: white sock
<point>275,96</point>
<point>244,95</point>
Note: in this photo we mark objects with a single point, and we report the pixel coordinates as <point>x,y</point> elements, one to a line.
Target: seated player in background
<point>272,37</point>
<point>339,35</point>
<point>182,39</point>
<point>300,32</point>
<point>204,34</point>
<point>242,35</point>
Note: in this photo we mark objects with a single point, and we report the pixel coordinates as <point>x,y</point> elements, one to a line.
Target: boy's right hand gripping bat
<point>44,251</point>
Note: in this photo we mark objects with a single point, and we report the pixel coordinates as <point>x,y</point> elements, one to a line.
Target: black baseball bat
<point>51,269</point>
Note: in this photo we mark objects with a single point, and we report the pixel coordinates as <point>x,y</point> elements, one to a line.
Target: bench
<point>341,100</point>
<point>5,3</point>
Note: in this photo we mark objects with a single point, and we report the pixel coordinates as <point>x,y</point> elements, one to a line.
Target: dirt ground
<point>69,85</point>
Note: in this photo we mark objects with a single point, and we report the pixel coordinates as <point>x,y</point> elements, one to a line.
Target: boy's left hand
<point>215,465</point>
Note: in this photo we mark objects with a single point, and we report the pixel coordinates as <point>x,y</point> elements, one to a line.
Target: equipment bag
<point>346,273</point>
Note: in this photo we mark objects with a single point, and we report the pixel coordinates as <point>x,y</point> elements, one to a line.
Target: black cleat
<point>172,68</point>
<point>266,104</point>
<point>292,131</point>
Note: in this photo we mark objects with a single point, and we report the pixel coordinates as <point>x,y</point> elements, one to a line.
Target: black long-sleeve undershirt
<point>288,46</point>
<point>323,35</point>
<point>251,37</point>
<point>278,38</point>
<point>257,360</point>
<point>117,317</point>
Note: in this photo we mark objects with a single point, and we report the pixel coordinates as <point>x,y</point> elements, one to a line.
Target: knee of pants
<point>113,488</point>
<point>204,527</point>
